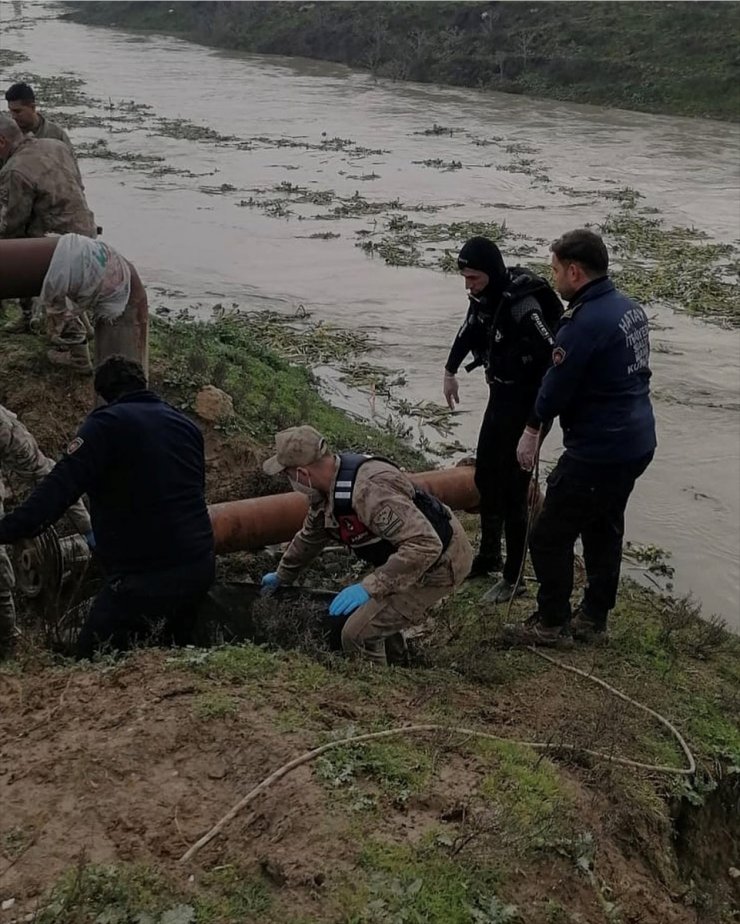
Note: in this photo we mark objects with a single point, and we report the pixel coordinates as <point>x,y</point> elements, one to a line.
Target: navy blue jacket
<point>599,381</point>
<point>141,463</point>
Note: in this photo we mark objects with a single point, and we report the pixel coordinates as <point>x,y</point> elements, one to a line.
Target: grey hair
<point>9,130</point>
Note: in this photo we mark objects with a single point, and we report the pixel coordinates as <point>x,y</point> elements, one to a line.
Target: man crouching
<point>418,548</point>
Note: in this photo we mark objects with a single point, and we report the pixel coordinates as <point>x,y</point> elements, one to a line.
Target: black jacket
<point>599,381</point>
<point>141,463</point>
<point>512,338</point>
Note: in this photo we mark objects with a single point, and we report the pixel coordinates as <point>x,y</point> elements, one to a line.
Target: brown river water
<point>202,249</point>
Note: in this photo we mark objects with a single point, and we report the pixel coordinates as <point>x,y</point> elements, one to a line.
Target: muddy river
<point>507,159</point>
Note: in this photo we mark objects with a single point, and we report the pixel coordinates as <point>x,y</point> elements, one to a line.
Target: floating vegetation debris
<point>298,339</point>
<point>60,90</point>
<point>437,416</point>
<point>401,240</point>
<point>363,177</point>
<point>322,236</point>
<point>99,149</point>
<point>528,166</point>
<point>218,190</point>
<point>677,267</point>
<point>304,194</point>
<point>437,130</point>
<point>488,142</point>
<point>440,164</point>
<point>9,58</point>
<point>275,208</point>
<point>189,131</point>
<point>519,147</point>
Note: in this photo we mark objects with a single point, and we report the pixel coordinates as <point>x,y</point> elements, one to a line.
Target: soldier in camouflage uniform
<point>20,455</point>
<point>41,193</point>
<point>419,549</point>
<point>22,107</point>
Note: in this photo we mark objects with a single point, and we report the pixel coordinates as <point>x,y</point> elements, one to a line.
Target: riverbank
<point>676,58</point>
<point>294,200</point>
<point>109,772</point>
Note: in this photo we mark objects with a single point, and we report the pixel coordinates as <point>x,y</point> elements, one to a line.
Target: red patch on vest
<point>74,445</point>
<point>558,355</point>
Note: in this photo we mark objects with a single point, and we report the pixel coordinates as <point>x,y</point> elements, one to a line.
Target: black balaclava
<point>483,255</point>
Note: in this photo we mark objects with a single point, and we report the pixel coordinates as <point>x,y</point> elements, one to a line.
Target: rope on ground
<point>469,732</point>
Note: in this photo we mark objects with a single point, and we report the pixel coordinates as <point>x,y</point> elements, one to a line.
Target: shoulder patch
<point>74,445</point>
<point>387,521</point>
<point>558,355</point>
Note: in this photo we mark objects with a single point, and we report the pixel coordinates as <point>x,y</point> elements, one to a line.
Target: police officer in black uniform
<point>599,386</point>
<point>141,464</point>
<point>509,329</point>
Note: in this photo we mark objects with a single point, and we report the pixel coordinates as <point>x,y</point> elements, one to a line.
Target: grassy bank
<point>109,772</point>
<point>677,58</point>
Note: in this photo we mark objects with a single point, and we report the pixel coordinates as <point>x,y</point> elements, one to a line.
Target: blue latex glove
<point>348,600</point>
<point>270,583</point>
<point>90,540</point>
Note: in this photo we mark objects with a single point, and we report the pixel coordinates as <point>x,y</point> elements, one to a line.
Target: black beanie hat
<point>483,255</point>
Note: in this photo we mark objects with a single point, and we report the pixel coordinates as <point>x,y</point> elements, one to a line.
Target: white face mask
<point>302,488</point>
<point>307,490</point>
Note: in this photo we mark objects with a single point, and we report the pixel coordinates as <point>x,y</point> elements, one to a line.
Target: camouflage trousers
<point>7,583</point>
<point>376,626</point>
<point>20,454</point>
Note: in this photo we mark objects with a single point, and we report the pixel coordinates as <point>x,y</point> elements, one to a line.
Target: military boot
<point>589,629</point>
<point>502,591</point>
<point>75,357</point>
<point>534,632</point>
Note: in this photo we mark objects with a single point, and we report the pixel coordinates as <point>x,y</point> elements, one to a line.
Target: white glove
<point>451,390</point>
<point>526,450</point>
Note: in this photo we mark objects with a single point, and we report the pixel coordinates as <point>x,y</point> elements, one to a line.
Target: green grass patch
<point>238,355</point>
<point>397,768</point>
<point>230,664</point>
<point>529,790</point>
<point>137,894</point>
<point>216,705</point>
<point>232,895</point>
<point>415,885</point>
<point>113,895</point>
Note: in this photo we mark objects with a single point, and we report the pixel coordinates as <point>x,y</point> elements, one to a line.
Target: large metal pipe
<point>247,525</point>
<point>23,266</point>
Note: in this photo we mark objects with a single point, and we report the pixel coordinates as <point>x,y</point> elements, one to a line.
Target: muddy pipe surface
<point>247,525</point>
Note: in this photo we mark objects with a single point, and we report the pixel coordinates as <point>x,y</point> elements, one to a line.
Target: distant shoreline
<point>667,58</point>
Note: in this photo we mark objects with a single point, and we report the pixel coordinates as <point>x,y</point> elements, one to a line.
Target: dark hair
<point>20,92</point>
<point>584,247</point>
<point>117,376</point>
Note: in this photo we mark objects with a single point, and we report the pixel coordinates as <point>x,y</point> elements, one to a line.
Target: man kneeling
<point>418,548</point>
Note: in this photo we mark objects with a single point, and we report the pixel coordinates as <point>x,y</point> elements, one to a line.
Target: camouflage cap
<point>296,447</point>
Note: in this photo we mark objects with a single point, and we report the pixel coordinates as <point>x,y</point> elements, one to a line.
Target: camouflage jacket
<point>47,129</point>
<point>41,192</point>
<point>20,454</point>
<point>383,501</point>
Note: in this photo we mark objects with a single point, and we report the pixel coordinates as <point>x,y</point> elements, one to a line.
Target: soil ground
<point>108,772</point>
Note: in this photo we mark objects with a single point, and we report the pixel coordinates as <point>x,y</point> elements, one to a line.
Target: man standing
<point>142,465</point>
<point>22,107</point>
<point>599,386</point>
<point>21,456</point>
<point>417,547</point>
<point>40,191</point>
<point>509,329</point>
